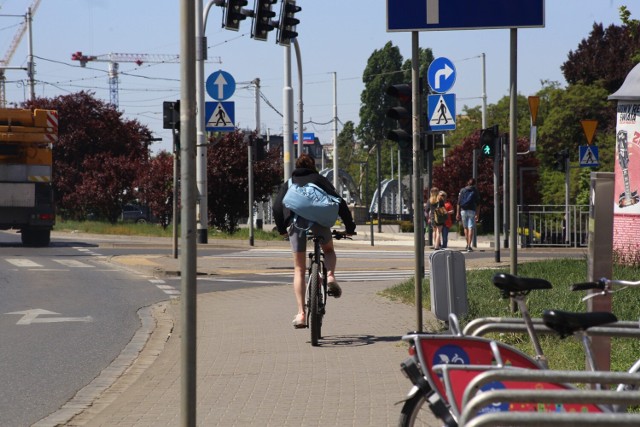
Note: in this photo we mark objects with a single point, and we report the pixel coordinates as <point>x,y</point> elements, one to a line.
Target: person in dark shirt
<point>468,214</point>
<point>304,173</point>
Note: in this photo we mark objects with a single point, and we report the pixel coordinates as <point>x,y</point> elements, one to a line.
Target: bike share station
<point>605,201</point>
<point>448,276</point>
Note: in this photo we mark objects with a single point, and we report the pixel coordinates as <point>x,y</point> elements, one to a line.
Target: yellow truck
<point>26,160</point>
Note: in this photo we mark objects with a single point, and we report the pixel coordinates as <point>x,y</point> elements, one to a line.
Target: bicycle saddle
<point>566,323</point>
<point>508,283</point>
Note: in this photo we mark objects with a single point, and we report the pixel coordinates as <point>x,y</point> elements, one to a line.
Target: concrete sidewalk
<point>254,369</point>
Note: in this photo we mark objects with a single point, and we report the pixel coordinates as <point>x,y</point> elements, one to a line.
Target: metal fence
<point>547,225</point>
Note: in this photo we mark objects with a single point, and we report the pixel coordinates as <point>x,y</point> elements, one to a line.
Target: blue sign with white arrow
<point>220,85</point>
<point>441,75</point>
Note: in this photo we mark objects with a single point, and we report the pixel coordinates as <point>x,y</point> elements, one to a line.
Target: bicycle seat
<point>508,284</point>
<point>566,323</point>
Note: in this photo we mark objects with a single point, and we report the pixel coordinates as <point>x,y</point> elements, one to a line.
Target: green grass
<point>485,301</point>
<point>154,230</point>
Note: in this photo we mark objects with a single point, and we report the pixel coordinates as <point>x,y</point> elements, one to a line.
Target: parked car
<point>135,213</point>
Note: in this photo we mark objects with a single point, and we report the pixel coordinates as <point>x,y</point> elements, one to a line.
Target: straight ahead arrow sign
<point>32,316</point>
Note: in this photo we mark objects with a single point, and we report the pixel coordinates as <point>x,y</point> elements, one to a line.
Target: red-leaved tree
<point>155,187</point>
<point>97,156</point>
<point>228,183</point>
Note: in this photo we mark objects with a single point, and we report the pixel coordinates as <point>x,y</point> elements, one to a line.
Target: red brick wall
<point>626,235</point>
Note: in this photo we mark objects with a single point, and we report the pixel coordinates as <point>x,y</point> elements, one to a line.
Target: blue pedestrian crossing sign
<point>220,85</point>
<point>441,112</point>
<point>220,116</point>
<point>588,156</point>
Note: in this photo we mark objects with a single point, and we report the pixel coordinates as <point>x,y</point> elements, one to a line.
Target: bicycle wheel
<point>314,309</point>
<point>416,412</point>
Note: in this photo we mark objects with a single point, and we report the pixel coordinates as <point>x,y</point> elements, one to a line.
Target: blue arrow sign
<point>220,85</point>
<point>424,15</point>
<point>441,112</point>
<point>441,75</point>
<point>220,116</point>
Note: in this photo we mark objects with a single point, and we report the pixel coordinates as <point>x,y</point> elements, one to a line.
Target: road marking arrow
<point>32,316</point>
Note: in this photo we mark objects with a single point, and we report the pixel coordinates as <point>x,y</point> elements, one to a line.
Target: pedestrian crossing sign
<point>441,112</point>
<point>220,116</point>
<point>589,156</point>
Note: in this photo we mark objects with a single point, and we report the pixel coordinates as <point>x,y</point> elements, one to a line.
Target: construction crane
<point>4,62</point>
<point>115,58</point>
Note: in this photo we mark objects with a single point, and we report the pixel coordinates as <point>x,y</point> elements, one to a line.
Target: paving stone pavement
<point>254,369</point>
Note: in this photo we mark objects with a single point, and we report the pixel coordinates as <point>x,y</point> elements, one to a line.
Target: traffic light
<point>403,134</point>
<point>560,163</point>
<point>262,15</point>
<point>287,23</point>
<point>260,149</point>
<point>489,141</point>
<point>171,115</point>
<point>233,14</point>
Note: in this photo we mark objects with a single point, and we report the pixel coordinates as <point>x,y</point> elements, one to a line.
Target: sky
<point>335,36</point>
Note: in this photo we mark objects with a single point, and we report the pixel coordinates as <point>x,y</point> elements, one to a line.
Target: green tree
<point>97,157</point>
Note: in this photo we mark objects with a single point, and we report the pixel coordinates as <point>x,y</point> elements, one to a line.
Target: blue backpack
<point>467,198</point>
<point>311,203</point>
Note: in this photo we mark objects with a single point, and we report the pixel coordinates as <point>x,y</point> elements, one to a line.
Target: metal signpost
<point>427,15</point>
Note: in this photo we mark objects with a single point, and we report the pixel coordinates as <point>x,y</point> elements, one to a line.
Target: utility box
<point>448,284</point>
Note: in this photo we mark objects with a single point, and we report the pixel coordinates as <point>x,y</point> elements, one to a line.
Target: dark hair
<point>306,161</point>
<point>471,181</point>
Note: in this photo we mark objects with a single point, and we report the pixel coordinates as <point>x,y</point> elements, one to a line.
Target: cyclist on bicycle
<point>304,173</point>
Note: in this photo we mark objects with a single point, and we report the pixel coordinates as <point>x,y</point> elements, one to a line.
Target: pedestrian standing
<point>448,206</point>
<point>436,208</point>
<point>467,210</point>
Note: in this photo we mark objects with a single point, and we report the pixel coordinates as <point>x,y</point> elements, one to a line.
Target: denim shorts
<point>468,218</point>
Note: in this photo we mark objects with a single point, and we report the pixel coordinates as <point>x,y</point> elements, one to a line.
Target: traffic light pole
<point>188,256</point>
<point>201,134</point>
<point>418,217</point>
<point>287,115</point>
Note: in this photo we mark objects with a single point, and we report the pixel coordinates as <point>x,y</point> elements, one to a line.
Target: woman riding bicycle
<point>304,173</point>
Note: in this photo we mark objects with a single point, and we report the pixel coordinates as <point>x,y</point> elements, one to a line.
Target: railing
<point>546,225</point>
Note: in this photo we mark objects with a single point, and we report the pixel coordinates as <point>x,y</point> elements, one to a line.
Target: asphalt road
<point>65,314</point>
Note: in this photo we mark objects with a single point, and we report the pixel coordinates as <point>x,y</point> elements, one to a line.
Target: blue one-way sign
<point>424,15</point>
<point>220,85</point>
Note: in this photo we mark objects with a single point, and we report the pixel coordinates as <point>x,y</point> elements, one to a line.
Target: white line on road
<point>21,262</point>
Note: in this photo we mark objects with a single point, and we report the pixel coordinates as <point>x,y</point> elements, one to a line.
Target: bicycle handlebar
<point>604,285</point>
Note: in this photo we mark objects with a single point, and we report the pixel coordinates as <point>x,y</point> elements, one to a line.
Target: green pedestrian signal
<point>489,141</point>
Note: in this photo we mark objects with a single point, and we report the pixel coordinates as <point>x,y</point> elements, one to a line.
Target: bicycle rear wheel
<point>416,412</point>
<point>314,317</point>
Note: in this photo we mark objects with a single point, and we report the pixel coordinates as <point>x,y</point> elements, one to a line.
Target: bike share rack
<point>482,326</point>
<point>472,402</point>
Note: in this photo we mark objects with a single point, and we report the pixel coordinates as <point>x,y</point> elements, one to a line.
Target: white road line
<point>73,263</point>
<point>21,262</point>
<point>157,281</point>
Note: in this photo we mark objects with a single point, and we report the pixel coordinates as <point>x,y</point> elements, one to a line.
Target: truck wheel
<point>36,238</point>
